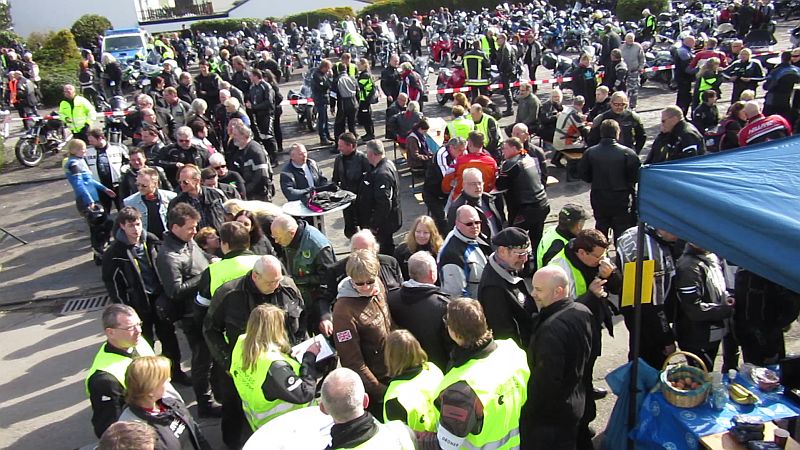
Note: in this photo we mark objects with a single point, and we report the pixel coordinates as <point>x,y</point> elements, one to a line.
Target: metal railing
<point>195,9</point>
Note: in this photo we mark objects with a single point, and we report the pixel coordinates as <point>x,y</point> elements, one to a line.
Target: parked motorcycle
<point>449,79</point>
<point>306,113</point>
<point>47,135</point>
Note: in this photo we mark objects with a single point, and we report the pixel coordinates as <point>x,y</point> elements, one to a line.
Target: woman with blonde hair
<point>269,380</point>
<point>423,236</point>
<point>146,382</point>
<point>415,383</point>
<point>708,77</point>
<point>460,99</point>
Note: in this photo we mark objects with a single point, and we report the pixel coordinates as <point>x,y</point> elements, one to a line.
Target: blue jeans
<point>322,120</point>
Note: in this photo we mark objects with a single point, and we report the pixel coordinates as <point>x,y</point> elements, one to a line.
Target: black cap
<point>572,212</point>
<point>512,237</point>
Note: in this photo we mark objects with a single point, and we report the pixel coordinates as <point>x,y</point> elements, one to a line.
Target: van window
<point>119,43</point>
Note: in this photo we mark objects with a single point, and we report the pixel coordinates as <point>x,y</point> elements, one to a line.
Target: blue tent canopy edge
<point>743,204</point>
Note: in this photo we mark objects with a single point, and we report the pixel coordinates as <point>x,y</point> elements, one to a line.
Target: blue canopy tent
<point>744,205</point>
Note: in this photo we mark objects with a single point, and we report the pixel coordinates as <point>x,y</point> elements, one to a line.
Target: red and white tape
<point>8,117</point>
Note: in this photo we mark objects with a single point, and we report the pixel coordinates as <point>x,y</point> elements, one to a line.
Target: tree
<point>88,27</point>
<point>5,17</point>
<point>58,49</point>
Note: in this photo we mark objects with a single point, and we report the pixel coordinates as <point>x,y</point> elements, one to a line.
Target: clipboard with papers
<point>325,351</point>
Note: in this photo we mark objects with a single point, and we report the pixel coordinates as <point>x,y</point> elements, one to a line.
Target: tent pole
<point>637,325</point>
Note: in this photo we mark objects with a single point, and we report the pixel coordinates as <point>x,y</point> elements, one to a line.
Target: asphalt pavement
<point>45,354</point>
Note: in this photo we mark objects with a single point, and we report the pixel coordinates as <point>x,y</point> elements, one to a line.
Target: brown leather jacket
<point>360,327</point>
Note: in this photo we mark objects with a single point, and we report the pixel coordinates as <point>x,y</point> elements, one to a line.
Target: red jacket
<point>482,161</point>
<point>764,128</point>
<point>707,54</point>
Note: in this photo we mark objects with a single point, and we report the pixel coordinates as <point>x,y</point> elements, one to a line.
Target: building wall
<point>52,15</point>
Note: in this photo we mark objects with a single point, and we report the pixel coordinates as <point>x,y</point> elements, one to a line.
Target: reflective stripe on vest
<point>577,283</point>
<point>391,435</point>
<point>257,408</point>
<point>500,380</point>
<point>472,79</point>
<point>367,86</point>
<point>417,396</point>
<point>483,127</point>
<point>460,127</point>
<point>544,245</point>
<point>705,84</point>
<point>226,270</point>
<point>114,363</point>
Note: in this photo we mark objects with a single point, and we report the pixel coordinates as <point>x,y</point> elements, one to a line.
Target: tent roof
<point>744,205</point>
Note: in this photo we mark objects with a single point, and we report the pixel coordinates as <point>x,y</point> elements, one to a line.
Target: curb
<point>34,181</point>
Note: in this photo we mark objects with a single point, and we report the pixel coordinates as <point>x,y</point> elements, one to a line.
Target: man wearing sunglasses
<point>105,382</point>
<point>632,133</point>
<point>463,255</point>
<point>182,152</point>
<point>591,277</point>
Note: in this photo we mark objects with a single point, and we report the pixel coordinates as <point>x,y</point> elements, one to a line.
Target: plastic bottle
<point>718,396</point>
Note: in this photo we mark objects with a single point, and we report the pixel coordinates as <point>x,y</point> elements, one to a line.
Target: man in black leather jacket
<point>632,133</point>
<point>320,90</point>
<point>678,138</point>
<point>261,107</point>
<point>378,198</point>
<point>520,178</point>
<point>613,170</point>
<point>349,169</point>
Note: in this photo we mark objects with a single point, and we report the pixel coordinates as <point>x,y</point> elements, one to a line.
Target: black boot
<point>208,407</point>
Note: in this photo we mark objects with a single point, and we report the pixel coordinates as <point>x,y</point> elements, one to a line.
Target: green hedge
<point>313,18</point>
<point>405,7</point>
<point>223,26</point>
<point>632,9</point>
<point>88,27</point>
<point>54,78</point>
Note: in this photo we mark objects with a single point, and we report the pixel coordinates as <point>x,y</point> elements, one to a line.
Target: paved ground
<point>45,355</point>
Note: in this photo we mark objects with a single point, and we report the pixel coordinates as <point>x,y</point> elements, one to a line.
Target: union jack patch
<point>344,336</point>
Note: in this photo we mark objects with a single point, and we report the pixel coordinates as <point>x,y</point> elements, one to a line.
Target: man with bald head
<point>419,306</point>
<point>181,153</point>
<point>761,128</point>
<point>682,58</point>
<point>345,400</point>
<point>390,274</point>
<point>474,194</point>
<point>227,317</point>
<point>558,355</point>
<point>308,254</point>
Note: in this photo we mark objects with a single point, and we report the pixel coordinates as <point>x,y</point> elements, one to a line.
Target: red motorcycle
<point>449,79</point>
<point>442,49</point>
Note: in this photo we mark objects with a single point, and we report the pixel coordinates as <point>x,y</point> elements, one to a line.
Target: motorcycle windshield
<point>326,31</point>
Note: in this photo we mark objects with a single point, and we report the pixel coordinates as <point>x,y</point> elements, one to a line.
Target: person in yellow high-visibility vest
<point>105,382</point>
<point>410,394</point>
<point>270,382</point>
<point>487,383</point>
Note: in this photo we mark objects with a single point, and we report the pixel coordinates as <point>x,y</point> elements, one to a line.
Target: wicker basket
<point>680,398</point>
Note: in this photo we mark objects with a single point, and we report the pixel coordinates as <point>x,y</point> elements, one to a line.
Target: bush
<point>632,9</point>
<point>88,27</point>
<point>54,78</point>
<point>405,7</point>
<point>223,26</point>
<point>7,38</point>
<point>312,19</point>
<point>36,40</point>
<point>58,49</point>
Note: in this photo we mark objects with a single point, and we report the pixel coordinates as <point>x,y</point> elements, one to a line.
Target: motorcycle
<point>560,65</point>
<point>449,79</point>
<point>115,119</point>
<point>306,113</point>
<point>654,58</point>
<point>441,49</point>
<point>47,135</point>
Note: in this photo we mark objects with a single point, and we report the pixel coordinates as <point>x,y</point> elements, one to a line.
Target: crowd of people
<point>481,329</point>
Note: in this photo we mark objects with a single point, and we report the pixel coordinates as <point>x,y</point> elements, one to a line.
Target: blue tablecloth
<point>663,426</point>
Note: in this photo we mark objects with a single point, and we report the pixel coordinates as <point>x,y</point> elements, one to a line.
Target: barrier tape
<point>8,117</point>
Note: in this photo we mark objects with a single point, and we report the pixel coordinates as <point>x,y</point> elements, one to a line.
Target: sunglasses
<point>130,328</point>
<point>471,224</point>
<point>142,185</point>
<point>222,166</point>
<point>364,283</point>
<point>618,104</point>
